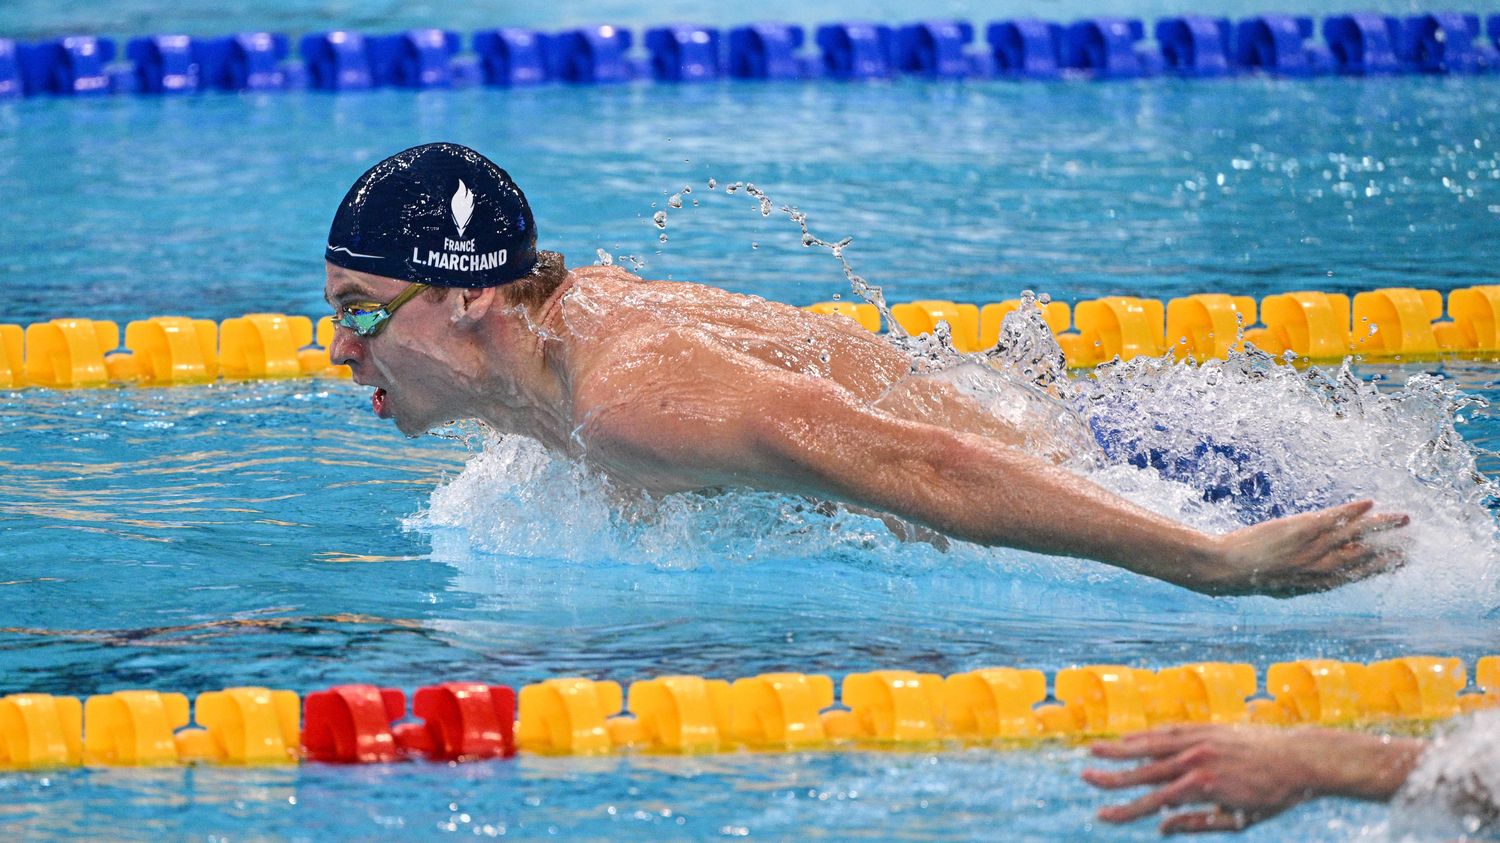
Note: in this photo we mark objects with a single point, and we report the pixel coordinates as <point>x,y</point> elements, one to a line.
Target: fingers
<point>1356,560</point>
<point>1383,522</point>
<point>1185,790</point>
<point>1342,529</point>
<point>1156,772</point>
<point>1362,528</point>
<point>1154,743</point>
<point>1342,555</point>
<point>1217,819</point>
<point>1380,562</point>
<point>1343,514</point>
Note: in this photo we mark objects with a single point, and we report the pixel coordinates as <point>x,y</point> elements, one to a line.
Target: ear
<point>471,305</point>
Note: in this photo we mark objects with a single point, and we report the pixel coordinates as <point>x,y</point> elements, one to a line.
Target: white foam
<point>1454,792</point>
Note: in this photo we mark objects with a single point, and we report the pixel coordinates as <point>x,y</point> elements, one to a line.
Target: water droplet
<point>675,201</point>
<point>754,245</point>
<point>662,238</point>
<point>687,188</point>
<point>808,239</point>
<point>605,258</point>
<point>837,296</point>
<point>765,206</point>
<point>660,219</point>
<point>695,203</point>
<point>732,188</point>
<point>713,183</point>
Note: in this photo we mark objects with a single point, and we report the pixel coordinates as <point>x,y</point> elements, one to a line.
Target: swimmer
<point>445,306</point>
<point>1235,776</point>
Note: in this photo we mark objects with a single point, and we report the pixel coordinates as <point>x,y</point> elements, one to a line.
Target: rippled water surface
<point>276,533</point>
<point>1166,187</point>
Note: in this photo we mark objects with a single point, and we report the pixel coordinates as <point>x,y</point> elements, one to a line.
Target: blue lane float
<point>1362,44</point>
<point>164,64</point>
<point>510,56</point>
<point>855,50</point>
<point>70,66</point>
<point>766,51</point>
<point>337,61</point>
<point>1108,48</point>
<point>591,56</point>
<point>936,49</point>
<point>683,53</point>
<point>417,58</point>
<point>1280,45</point>
<point>246,61</point>
<point>1448,43</point>
<point>1026,49</point>
<point>1196,46</point>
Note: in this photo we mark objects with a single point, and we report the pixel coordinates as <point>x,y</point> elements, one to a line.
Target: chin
<point>412,428</point>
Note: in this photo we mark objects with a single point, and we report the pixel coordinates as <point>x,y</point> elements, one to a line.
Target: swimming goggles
<point>367,318</point>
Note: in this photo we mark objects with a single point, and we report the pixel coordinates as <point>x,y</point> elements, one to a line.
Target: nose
<point>346,348</point>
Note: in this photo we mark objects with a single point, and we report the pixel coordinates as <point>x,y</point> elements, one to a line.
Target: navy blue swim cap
<point>439,213</point>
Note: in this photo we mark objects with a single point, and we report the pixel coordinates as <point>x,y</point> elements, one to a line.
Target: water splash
<point>1215,445</point>
<point>1321,437</point>
<point>1454,793</point>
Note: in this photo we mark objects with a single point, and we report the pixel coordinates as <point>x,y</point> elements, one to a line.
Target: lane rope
<point>883,709</point>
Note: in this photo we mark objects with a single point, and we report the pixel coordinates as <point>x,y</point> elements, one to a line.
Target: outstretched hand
<point>1313,551</point>
<point>1233,776</point>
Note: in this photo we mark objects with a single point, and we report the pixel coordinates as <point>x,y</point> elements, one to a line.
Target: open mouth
<point>378,403</point>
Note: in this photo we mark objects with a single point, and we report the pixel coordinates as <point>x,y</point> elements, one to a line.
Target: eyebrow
<point>351,288</point>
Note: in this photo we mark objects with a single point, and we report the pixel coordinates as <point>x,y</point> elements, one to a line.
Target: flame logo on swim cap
<point>462,207</point>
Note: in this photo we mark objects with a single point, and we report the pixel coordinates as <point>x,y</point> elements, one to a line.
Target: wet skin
<point>1230,777</point>
<point>673,387</point>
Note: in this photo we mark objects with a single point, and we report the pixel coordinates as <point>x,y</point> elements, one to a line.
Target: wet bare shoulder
<point>619,319</point>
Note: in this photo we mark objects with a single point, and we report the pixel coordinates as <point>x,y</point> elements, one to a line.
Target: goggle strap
<point>406,295</point>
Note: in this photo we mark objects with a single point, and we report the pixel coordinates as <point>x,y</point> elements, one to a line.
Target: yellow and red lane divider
<point>1377,325</point>
<point>883,709</point>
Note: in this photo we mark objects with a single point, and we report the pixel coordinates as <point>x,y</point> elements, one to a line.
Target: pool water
<point>276,533</point>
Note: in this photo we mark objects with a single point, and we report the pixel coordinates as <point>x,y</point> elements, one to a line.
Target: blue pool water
<point>1081,190</point>
<point>276,533</point>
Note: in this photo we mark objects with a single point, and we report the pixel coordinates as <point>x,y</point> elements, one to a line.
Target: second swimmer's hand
<point>1299,554</point>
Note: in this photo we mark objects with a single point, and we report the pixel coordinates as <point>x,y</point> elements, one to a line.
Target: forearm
<point>974,489</point>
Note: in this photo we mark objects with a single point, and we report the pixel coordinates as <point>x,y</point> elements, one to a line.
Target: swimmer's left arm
<point>976,489</point>
<point>819,442</point>
<point>728,422</point>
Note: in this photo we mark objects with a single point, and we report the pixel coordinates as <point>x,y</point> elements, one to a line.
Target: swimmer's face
<point>409,361</point>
